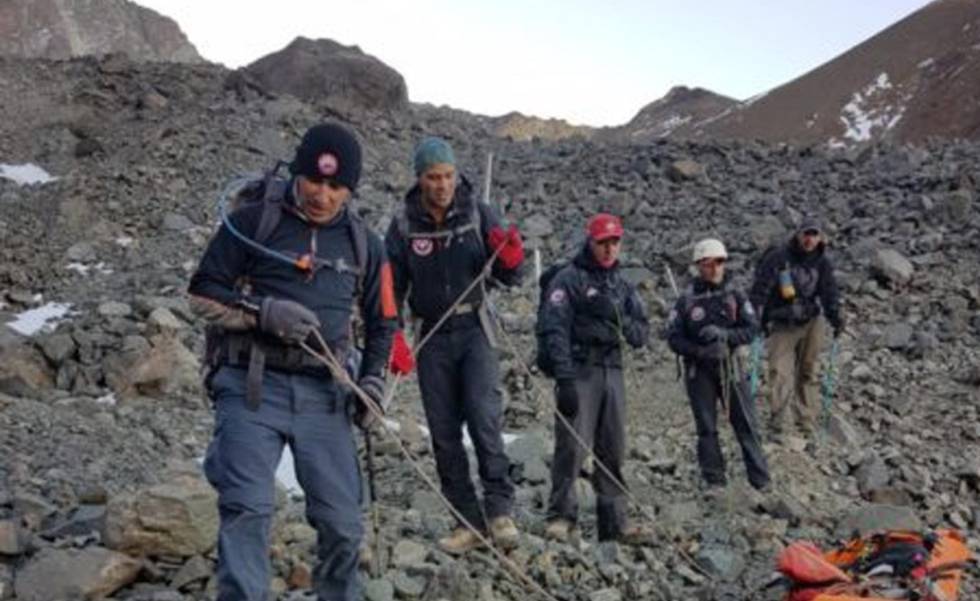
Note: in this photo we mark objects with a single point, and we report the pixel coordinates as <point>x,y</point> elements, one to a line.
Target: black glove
<point>714,334</point>
<point>374,387</point>
<point>287,320</point>
<point>602,306</point>
<point>715,350</point>
<point>567,398</point>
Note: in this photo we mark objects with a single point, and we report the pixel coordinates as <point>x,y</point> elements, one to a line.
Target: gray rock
<point>379,590</point>
<point>842,432</point>
<point>872,474</point>
<point>878,517</point>
<point>162,319</point>
<point>196,569</point>
<point>115,309</point>
<point>92,572</point>
<point>81,252</point>
<point>408,553</point>
<point>685,169</point>
<point>14,540</point>
<point>537,226</point>
<point>892,266</point>
<point>722,562</point>
<point>408,587</point>
<point>175,222</point>
<point>897,336</point>
<point>58,347</point>
<point>83,520</point>
<point>606,594</point>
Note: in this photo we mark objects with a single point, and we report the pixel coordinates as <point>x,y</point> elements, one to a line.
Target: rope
<point>341,375</point>
<point>595,460</point>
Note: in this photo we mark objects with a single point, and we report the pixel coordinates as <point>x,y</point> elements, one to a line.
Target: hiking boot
<point>558,530</point>
<point>504,532</point>
<point>460,541</point>
<point>635,536</point>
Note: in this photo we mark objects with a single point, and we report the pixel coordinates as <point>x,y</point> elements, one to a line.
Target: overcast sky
<point>589,62</point>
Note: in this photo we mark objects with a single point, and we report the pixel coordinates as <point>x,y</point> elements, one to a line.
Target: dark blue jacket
<point>813,278</point>
<point>433,269</point>
<point>705,304</point>
<point>327,292</point>
<point>575,323</point>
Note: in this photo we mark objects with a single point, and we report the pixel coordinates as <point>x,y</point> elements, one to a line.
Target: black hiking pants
<point>706,392</point>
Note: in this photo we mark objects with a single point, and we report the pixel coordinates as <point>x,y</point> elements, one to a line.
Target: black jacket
<point>813,278</point>
<point>328,293</point>
<point>432,271</point>
<point>705,304</point>
<point>575,323</point>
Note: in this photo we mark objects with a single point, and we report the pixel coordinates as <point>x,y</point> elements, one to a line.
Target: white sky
<point>586,61</point>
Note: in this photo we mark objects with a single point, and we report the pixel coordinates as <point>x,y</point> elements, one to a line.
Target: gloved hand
<point>512,254</point>
<point>796,313</point>
<point>401,362</point>
<point>567,398</point>
<point>714,333</point>
<point>287,320</point>
<point>715,351</point>
<point>602,306</point>
<point>374,387</point>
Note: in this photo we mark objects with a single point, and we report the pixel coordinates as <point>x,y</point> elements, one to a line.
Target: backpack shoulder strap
<point>274,191</point>
<point>359,240</point>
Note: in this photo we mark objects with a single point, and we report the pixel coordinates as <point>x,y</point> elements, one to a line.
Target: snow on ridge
<point>32,321</point>
<point>869,111</point>
<point>25,174</point>
<point>926,63</point>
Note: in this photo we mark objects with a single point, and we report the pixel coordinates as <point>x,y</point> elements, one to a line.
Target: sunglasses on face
<point>811,233</point>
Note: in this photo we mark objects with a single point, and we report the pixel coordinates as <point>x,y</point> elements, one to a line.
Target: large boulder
<point>179,517</point>
<point>60,29</point>
<point>164,365</point>
<point>91,573</point>
<point>315,70</point>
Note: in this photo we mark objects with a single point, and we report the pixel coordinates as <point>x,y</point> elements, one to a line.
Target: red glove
<point>401,362</point>
<point>512,254</point>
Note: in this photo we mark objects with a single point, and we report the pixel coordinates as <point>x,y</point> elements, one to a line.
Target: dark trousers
<point>601,424</point>
<point>704,389</point>
<point>458,375</point>
<point>309,414</point>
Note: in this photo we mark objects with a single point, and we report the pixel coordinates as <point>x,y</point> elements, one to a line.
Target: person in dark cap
<point>588,311</point>
<point>277,271</point>
<point>439,242</point>
<point>794,290</point>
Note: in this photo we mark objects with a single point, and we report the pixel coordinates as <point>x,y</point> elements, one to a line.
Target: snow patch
<point>125,241</point>
<point>869,112</point>
<point>926,63</point>
<point>109,400</point>
<point>83,269</point>
<point>32,321</point>
<point>25,174</point>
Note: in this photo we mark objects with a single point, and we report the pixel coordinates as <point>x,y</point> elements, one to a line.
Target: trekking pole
<point>329,359</point>
<point>756,358</point>
<point>373,497</point>
<point>827,385</point>
<point>673,282</point>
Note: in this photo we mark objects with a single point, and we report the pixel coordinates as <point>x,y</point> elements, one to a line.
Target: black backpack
<point>542,359</point>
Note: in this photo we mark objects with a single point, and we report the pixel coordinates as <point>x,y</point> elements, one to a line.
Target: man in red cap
<point>588,310</point>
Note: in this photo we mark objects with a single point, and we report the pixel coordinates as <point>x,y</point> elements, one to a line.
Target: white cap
<point>709,249</point>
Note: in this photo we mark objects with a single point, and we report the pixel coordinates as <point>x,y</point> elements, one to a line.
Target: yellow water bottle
<point>786,289</point>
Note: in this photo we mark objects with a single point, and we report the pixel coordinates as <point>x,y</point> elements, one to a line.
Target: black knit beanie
<point>328,151</point>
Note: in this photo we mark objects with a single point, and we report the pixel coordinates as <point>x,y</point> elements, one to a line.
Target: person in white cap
<point>707,323</point>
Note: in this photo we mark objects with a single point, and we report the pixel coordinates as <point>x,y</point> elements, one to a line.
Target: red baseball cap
<point>604,226</point>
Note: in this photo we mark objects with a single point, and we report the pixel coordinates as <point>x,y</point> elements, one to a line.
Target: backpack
<point>542,358</point>
<point>270,191</point>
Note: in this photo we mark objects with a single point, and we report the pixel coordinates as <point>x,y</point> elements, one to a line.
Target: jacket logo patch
<point>697,314</point>
<point>557,296</point>
<point>422,247</point>
<point>590,292</point>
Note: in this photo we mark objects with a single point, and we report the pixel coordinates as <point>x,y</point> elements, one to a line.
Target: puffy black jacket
<point>587,311</point>
<point>705,304</point>
<point>813,278</point>
<point>432,268</point>
<point>328,293</point>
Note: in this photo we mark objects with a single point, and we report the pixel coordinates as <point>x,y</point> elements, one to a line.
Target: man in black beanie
<point>306,269</point>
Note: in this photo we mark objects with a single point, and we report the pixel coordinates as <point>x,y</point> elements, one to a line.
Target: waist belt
<point>245,350</point>
<point>453,320</point>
